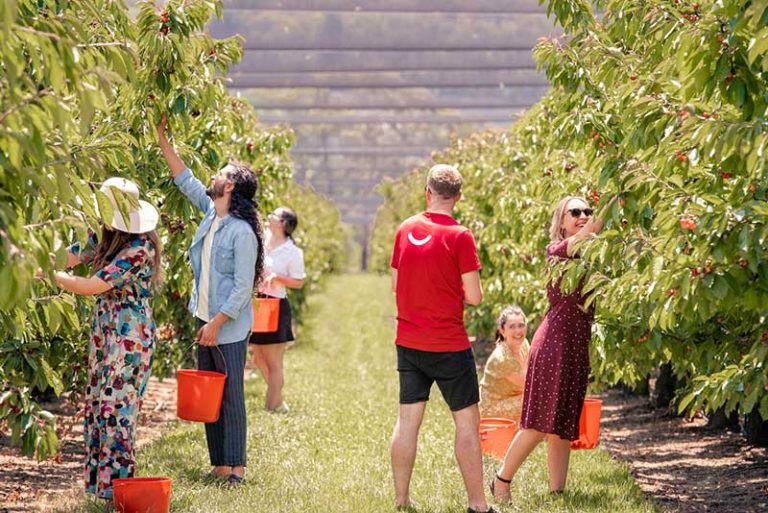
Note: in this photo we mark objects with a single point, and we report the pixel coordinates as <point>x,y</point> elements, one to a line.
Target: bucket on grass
<point>142,494</point>
<point>495,436</point>
<point>266,311</point>
<point>198,395</point>
<point>589,425</point>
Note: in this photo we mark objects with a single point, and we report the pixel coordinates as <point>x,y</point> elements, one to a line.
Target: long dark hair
<point>111,242</point>
<point>243,206</point>
<point>290,221</point>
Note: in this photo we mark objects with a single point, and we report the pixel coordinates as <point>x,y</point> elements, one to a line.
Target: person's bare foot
<point>221,471</point>
<point>500,489</point>
<point>408,505</point>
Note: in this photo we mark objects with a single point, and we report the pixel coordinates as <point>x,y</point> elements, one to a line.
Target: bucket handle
<point>196,344</point>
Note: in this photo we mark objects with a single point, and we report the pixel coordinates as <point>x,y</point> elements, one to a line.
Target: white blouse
<point>285,260</point>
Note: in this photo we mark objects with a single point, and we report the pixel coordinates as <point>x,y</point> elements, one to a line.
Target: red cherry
<point>688,223</point>
<point>633,76</point>
<point>725,175</point>
<point>695,271</point>
<point>743,263</point>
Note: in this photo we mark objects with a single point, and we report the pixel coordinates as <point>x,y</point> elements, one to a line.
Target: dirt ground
<point>52,485</point>
<point>681,465</point>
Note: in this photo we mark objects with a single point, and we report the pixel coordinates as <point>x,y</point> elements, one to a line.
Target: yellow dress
<point>499,396</point>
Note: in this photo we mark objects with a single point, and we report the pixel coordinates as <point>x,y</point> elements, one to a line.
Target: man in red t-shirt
<point>435,270</point>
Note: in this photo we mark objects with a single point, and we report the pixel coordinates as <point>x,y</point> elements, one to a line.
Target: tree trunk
<point>666,384</point>
<point>756,428</point>
<point>719,420</point>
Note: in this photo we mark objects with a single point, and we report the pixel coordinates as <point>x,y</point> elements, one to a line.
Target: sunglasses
<point>576,212</point>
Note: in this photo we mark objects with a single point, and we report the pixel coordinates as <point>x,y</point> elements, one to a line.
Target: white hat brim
<point>139,221</point>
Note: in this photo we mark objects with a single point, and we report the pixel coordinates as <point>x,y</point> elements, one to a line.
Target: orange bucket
<point>495,436</point>
<point>142,494</point>
<point>589,425</point>
<point>265,314</point>
<point>198,394</point>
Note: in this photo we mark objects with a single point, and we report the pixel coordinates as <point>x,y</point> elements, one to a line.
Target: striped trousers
<point>226,436</point>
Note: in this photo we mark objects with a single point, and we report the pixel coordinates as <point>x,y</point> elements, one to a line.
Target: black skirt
<point>284,331</point>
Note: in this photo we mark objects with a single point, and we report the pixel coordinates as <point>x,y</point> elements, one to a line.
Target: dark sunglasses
<point>576,212</point>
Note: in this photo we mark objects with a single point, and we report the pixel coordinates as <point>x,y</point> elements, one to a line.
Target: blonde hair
<point>505,314</point>
<point>444,181</point>
<point>556,227</point>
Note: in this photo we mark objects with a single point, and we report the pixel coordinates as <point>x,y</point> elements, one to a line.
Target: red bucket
<point>495,436</point>
<point>142,494</point>
<point>198,394</point>
<point>589,425</point>
<point>265,314</point>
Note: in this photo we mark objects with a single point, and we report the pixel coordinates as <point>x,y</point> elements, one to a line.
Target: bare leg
<point>558,454</point>
<point>258,361</point>
<point>403,449</point>
<point>273,360</point>
<point>468,455</point>
<point>522,446</point>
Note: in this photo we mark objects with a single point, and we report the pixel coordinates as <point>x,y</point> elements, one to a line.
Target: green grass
<point>331,452</point>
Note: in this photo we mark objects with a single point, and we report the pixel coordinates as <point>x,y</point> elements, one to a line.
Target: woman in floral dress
<point>127,261</point>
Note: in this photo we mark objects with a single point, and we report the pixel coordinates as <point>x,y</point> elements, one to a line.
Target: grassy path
<point>330,453</point>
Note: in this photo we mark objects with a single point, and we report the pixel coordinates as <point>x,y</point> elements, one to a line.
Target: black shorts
<point>284,331</point>
<point>454,372</point>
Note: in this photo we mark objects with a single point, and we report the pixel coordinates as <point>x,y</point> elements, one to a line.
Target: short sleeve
<point>85,252</point>
<point>394,262</point>
<point>125,266</point>
<point>467,252</point>
<point>558,249</point>
<point>296,265</point>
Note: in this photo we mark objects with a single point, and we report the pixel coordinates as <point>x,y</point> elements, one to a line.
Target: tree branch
<point>14,108</point>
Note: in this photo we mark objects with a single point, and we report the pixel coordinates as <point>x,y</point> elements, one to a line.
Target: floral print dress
<point>119,362</point>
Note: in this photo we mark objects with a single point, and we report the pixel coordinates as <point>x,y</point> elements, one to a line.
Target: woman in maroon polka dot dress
<point>558,367</point>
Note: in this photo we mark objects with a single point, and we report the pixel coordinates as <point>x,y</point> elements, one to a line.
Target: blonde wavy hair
<point>556,227</point>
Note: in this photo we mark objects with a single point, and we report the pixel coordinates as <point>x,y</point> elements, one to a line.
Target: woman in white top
<point>283,269</point>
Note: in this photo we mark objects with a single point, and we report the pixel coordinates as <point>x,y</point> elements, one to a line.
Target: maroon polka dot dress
<point>558,365</point>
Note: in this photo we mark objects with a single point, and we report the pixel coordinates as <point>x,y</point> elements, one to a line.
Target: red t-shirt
<point>431,253</point>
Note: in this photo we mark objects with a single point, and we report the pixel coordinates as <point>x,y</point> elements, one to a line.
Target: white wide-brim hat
<point>141,217</point>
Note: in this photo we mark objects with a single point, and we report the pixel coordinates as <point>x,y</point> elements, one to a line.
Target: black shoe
<point>490,509</point>
<point>235,480</point>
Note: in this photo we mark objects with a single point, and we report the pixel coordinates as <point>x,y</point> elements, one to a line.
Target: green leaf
<point>758,45</point>
<point>52,377</point>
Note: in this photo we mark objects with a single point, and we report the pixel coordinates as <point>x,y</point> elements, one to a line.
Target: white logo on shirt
<point>418,242</point>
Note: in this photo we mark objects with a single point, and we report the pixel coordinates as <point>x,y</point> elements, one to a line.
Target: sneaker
<point>282,408</point>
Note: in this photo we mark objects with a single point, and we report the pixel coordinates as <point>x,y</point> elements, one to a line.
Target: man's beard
<point>214,192</point>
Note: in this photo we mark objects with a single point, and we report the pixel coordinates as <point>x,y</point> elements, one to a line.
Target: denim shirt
<point>233,263</point>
